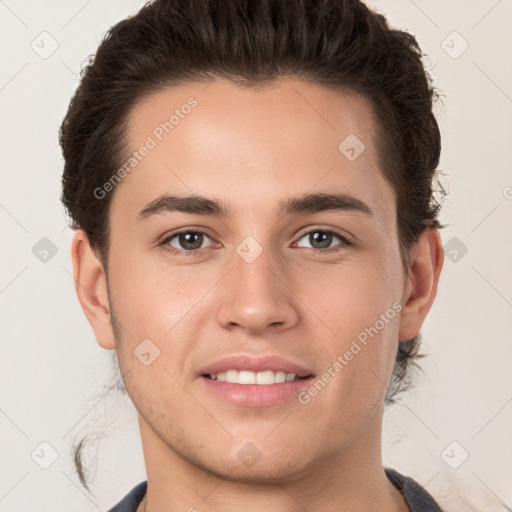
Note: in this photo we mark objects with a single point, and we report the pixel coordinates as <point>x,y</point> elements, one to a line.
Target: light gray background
<point>53,372</point>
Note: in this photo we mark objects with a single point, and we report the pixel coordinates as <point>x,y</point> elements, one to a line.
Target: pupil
<point>324,239</point>
<point>187,242</point>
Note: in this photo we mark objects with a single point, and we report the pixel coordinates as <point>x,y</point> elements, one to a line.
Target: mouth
<point>249,381</point>
<point>246,377</point>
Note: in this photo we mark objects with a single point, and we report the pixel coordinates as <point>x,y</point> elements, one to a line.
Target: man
<point>251,185</point>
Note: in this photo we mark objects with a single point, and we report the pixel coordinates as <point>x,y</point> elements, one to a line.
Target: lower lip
<point>256,395</point>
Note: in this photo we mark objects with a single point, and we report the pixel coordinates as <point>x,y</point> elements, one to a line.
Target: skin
<point>251,149</point>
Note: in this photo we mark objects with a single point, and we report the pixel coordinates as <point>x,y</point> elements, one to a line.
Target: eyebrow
<point>200,205</point>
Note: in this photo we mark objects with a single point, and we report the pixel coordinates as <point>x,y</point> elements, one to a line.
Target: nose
<point>256,297</point>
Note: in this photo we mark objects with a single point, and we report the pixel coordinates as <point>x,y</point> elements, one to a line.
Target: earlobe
<point>426,262</point>
<point>91,288</point>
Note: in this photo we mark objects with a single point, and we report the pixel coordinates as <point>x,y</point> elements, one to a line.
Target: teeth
<point>242,377</point>
<point>246,377</point>
<point>281,377</point>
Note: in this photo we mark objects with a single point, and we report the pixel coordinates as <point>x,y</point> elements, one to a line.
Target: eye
<point>321,239</point>
<point>192,241</point>
<point>185,242</point>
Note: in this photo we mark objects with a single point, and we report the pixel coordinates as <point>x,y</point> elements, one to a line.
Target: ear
<point>91,289</point>
<point>426,262</point>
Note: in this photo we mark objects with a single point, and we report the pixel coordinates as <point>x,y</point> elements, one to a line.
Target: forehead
<point>252,145</point>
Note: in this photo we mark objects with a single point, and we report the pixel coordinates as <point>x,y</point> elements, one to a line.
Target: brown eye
<point>321,239</point>
<point>185,241</point>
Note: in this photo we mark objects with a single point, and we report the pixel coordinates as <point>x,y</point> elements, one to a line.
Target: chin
<point>270,471</point>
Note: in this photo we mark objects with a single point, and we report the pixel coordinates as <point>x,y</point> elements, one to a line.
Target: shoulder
<point>416,497</point>
<point>132,500</point>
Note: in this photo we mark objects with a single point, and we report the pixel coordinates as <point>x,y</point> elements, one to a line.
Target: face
<point>266,278</point>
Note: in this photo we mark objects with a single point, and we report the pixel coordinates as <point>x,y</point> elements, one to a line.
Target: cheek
<point>351,297</point>
<point>152,298</point>
<point>360,303</point>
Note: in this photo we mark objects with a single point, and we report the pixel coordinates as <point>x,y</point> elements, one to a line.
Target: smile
<point>263,378</point>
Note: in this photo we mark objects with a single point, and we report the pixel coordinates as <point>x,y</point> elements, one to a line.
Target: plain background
<point>52,371</point>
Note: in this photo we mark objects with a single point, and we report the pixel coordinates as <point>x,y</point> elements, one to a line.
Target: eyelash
<point>345,241</point>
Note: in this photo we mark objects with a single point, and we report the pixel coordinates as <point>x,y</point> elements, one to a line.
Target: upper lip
<point>254,364</point>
